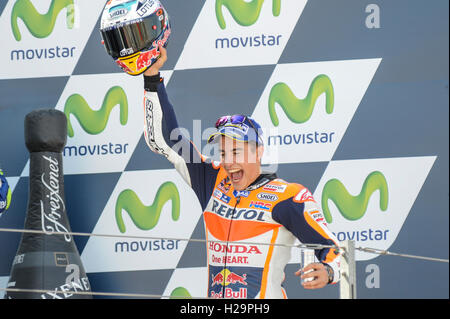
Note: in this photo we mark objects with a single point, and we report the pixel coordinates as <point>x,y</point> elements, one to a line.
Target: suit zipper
<point>238,199</point>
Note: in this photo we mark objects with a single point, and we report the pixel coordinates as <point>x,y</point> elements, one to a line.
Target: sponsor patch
<point>221,196</point>
<point>303,196</point>
<point>224,185</point>
<point>266,196</point>
<point>260,205</point>
<point>275,188</point>
<point>241,193</point>
<point>318,217</point>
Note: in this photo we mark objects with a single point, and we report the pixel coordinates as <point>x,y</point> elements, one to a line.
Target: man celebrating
<point>251,218</point>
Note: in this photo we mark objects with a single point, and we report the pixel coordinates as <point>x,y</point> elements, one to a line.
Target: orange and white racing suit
<point>250,232</point>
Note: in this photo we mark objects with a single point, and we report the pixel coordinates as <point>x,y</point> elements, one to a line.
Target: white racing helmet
<point>131,32</point>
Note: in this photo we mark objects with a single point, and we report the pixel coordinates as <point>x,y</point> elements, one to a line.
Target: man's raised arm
<point>162,133</point>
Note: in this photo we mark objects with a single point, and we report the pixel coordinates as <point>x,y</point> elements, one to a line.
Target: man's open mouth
<point>236,175</point>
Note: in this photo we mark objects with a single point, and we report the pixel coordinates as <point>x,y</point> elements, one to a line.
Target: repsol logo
<point>275,188</point>
<point>236,213</point>
<point>246,14</point>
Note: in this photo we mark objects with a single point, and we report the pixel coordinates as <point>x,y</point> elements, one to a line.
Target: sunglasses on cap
<point>236,120</point>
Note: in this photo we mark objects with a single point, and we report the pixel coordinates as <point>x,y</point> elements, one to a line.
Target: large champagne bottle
<point>47,261</point>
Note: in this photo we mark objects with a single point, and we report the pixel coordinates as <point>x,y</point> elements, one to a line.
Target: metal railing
<point>347,249</point>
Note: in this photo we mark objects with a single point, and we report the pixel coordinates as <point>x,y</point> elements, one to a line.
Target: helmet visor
<point>126,39</point>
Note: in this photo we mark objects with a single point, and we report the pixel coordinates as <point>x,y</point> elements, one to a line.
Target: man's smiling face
<point>241,160</point>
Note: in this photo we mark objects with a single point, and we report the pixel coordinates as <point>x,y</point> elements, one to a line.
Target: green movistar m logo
<point>147,217</point>
<point>94,122</point>
<point>180,293</point>
<point>245,13</point>
<point>354,207</point>
<point>300,110</point>
<point>40,25</point>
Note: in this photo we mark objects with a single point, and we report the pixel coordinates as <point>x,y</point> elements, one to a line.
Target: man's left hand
<point>319,273</point>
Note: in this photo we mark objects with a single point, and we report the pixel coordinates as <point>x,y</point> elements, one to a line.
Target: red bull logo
<point>224,185</point>
<point>230,294</point>
<point>148,57</point>
<point>133,64</point>
<point>233,278</point>
<point>226,277</point>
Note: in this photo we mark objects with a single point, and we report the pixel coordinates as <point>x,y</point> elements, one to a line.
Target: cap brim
<point>213,138</point>
<point>234,132</point>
